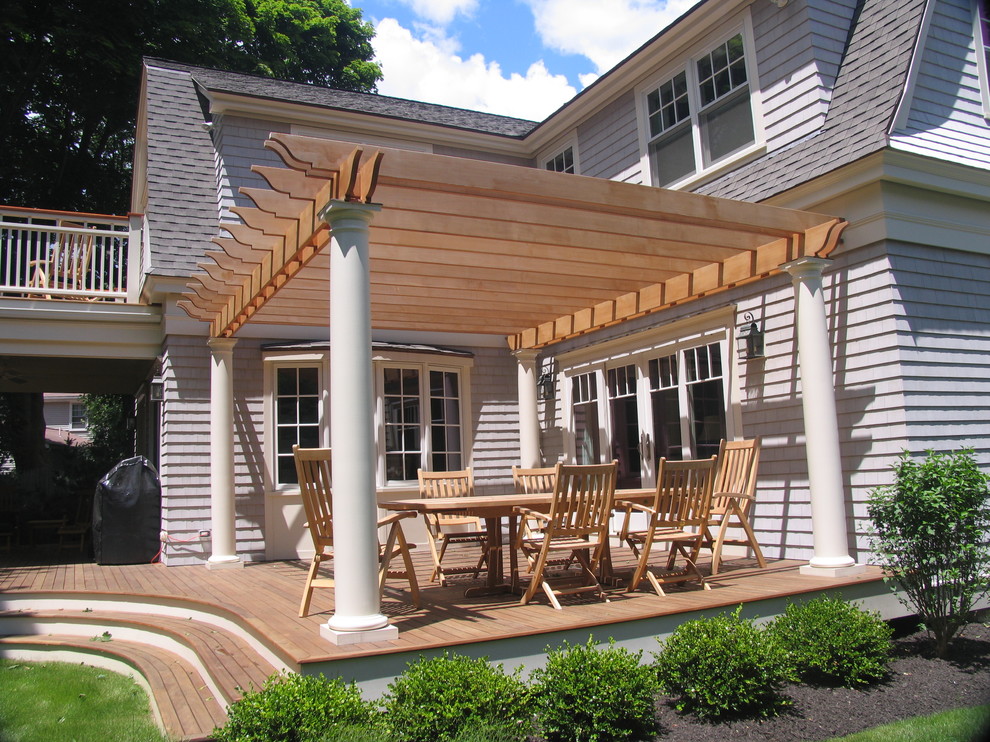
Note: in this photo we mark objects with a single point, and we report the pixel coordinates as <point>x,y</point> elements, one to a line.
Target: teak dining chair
<point>315,483</point>
<point>577,525</point>
<point>444,529</point>
<point>678,517</point>
<point>528,481</point>
<point>732,499</point>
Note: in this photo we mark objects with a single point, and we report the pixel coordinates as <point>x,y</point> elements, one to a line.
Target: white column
<point>223,550</point>
<point>821,425</point>
<point>529,420</point>
<point>357,611</point>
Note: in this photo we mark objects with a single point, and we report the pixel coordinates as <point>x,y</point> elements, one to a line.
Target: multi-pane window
<point>700,115</point>
<point>403,442</point>
<point>666,408</point>
<point>297,417</point>
<point>584,404</point>
<point>413,441</point>
<point>79,419</point>
<point>624,413</point>
<point>705,398</point>
<point>562,162</point>
<point>445,421</point>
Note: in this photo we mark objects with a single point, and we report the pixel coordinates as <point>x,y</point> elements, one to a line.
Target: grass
<point>958,725</point>
<point>41,702</point>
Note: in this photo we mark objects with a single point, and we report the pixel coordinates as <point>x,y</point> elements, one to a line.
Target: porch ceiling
<point>470,246</point>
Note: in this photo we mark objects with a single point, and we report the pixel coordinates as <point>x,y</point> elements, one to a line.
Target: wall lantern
<point>751,339</point>
<point>157,390</point>
<point>546,385</point>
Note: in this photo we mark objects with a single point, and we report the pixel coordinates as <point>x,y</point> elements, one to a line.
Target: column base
<point>341,638</point>
<point>826,571</point>
<point>233,562</point>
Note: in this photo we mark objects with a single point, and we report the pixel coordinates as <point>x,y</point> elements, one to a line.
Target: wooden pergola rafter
<point>477,247</point>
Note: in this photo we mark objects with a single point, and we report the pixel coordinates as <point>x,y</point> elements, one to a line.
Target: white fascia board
<point>323,117</point>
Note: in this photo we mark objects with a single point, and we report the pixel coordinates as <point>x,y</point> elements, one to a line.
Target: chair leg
<point>308,589</point>
<point>536,580</point>
<point>410,570</point>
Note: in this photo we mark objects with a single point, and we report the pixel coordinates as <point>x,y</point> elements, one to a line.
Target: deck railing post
<point>357,613</point>
<point>821,426</point>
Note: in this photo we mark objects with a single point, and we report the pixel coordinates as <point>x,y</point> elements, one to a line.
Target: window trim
<point>688,64</point>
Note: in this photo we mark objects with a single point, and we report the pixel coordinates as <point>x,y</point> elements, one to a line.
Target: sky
<point>522,58</point>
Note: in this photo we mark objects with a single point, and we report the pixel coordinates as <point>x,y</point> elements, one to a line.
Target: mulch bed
<point>918,684</point>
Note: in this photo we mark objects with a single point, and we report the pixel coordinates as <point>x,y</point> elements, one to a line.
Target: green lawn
<point>959,725</point>
<point>43,702</point>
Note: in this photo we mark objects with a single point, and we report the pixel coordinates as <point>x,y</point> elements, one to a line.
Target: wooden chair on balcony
<point>67,265</point>
<point>677,518</point>
<point>444,529</point>
<point>735,492</point>
<point>576,525</point>
<point>314,473</point>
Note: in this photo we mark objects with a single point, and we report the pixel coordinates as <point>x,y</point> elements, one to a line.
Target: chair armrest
<point>396,516</point>
<point>529,513</point>
<point>629,506</point>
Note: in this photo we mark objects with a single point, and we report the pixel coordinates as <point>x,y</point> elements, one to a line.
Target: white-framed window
<point>663,393</point>
<point>298,418</point>
<point>423,422</point>
<point>420,406</point>
<point>78,420</point>
<point>702,115</point>
<point>981,19</point>
<point>562,162</point>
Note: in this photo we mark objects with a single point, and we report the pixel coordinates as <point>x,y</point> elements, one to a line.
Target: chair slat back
<point>684,493</point>
<point>448,484</point>
<point>529,481</point>
<point>315,482</point>
<point>583,498</point>
<point>737,466</point>
<point>71,259</point>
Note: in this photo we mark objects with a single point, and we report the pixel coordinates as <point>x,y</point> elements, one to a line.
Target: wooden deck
<point>234,627</point>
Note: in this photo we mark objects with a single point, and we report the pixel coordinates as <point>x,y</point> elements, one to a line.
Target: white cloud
<point>604,31</point>
<point>428,68</point>
<point>441,11</point>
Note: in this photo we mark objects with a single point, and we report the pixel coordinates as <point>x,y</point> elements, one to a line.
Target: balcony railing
<point>63,255</point>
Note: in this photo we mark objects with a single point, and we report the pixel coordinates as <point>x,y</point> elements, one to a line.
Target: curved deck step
<point>182,704</point>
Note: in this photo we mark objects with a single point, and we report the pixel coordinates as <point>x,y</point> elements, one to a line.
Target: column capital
<point>526,355</point>
<point>808,267</point>
<point>337,211</point>
<point>219,345</point>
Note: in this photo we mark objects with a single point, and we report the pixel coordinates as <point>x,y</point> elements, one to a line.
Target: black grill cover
<point>127,513</point>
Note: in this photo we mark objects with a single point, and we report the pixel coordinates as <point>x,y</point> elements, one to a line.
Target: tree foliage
<point>930,533</point>
<point>70,78</point>
<point>111,438</point>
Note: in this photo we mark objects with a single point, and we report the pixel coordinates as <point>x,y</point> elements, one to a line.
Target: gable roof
<point>867,91</point>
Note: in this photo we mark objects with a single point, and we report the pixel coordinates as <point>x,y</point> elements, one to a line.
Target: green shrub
<point>930,535</point>
<point>437,699</point>
<point>585,693</point>
<point>723,666</point>
<point>832,641</point>
<point>294,708</point>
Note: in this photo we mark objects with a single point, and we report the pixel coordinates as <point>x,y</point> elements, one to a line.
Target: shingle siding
<point>945,118</point>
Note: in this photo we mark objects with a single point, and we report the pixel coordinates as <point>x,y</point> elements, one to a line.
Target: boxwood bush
<point>723,666</point>
<point>447,697</point>
<point>294,708</point>
<point>586,693</point>
<point>827,640</point>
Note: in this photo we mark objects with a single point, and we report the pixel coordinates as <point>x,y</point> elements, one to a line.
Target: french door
<point>656,404</point>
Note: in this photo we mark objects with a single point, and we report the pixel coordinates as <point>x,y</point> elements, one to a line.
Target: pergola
<point>402,240</point>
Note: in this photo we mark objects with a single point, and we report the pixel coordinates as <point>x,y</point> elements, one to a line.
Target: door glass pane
<point>403,439</point>
<point>666,408</point>
<point>584,393</point>
<point>625,425</point>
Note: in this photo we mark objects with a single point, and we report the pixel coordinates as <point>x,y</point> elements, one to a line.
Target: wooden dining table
<point>491,509</point>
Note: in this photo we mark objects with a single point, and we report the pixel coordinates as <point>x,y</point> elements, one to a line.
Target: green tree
<point>111,438</point>
<point>70,78</point>
<point>930,534</point>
